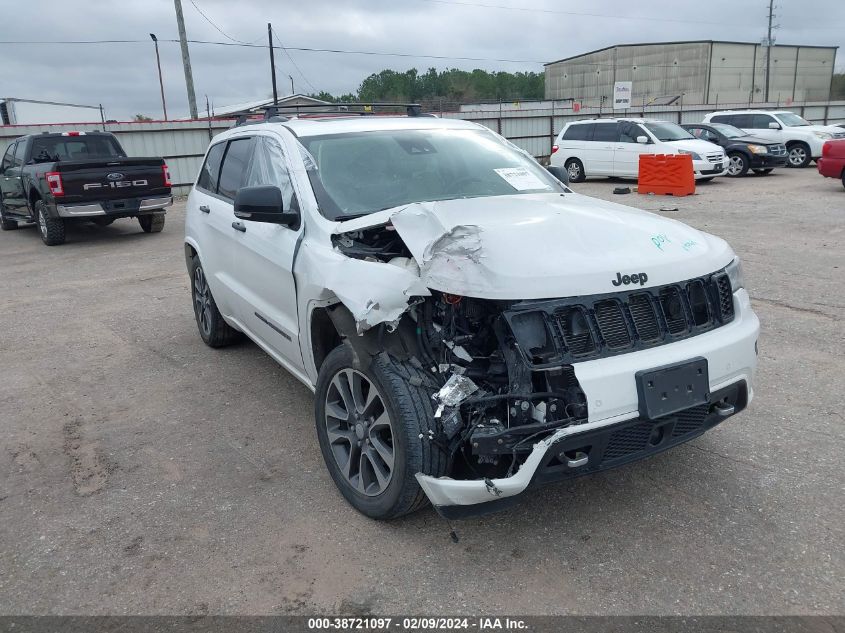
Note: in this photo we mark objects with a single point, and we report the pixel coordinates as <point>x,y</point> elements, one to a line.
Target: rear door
<point>626,157</point>
<point>262,253</point>
<point>14,198</point>
<point>599,150</point>
<point>211,217</point>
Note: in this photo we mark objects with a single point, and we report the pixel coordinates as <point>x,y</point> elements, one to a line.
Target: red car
<point>832,162</point>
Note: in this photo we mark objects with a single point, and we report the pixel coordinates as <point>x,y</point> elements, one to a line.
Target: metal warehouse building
<point>706,72</point>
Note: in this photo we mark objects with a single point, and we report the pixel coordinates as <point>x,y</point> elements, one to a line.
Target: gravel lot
<point>143,472</point>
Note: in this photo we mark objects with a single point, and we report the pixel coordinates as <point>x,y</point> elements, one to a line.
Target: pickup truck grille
<point>585,328</point>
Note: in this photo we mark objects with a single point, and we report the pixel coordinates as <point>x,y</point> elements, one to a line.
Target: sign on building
<point>622,92</point>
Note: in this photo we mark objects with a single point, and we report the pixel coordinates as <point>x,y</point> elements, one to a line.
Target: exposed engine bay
<point>491,402</point>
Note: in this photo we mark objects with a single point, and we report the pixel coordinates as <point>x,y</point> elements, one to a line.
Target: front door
<point>11,184</point>
<point>262,260</point>
<point>626,157</point>
<point>598,153</point>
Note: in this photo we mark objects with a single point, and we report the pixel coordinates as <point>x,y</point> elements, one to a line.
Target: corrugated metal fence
<point>530,125</point>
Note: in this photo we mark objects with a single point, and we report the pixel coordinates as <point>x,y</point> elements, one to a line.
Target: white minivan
<point>612,147</point>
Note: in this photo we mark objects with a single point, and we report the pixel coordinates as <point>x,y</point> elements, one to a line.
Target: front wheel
<point>799,154</point>
<point>52,229</point>
<point>152,223</point>
<point>737,164</point>
<point>576,170</point>
<point>373,427</point>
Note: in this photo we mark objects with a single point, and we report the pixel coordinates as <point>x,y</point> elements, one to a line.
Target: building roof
<point>607,48</point>
<point>254,106</point>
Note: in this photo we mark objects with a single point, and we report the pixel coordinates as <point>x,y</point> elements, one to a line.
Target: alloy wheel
<point>797,156</point>
<point>736,165</point>
<point>202,301</point>
<point>574,171</point>
<point>360,432</point>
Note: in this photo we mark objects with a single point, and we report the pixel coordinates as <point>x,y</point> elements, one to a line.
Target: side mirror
<point>560,173</point>
<point>642,140</point>
<point>774,126</point>
<point>264,204</point>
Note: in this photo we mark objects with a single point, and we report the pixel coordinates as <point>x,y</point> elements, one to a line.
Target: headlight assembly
<point>735,274</point>
<point>693,154</point>
<point>758,149</point>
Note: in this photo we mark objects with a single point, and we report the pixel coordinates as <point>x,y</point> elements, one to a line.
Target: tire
<point>738,164</point>
<point>799,155</point>
<point>576,170</point>
<point>151,223</point>
<point>764,172</point>
<point>6,225</point>
<point>406,417</point>
<point>843,178</point>
<point>52,230</point>
<point>213,329</point>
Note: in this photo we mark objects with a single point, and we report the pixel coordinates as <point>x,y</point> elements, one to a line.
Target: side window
<point>7,157</point>
<point>577,132</point>
<point>19,153</point>
<point>233,171</point>
<point>605,132</point>
<point>761,121</point>
<point>269,168</point>
<point>723,118</point>
<point>211,168</point>
<point>741,121</point>
<point>628,132</point>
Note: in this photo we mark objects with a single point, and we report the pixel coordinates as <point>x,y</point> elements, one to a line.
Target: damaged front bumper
<point>618,434</point>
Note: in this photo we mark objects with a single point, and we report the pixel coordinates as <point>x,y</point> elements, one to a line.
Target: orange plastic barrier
<point>666,174</point>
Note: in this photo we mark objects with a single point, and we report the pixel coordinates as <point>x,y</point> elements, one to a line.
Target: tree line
<point>449,85</point>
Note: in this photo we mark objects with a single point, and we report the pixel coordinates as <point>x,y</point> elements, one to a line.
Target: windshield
<point>728,130</point>
<point>664,131</point>
<point>58,148</point>
<point>792,120</point>
<point>359,173</point>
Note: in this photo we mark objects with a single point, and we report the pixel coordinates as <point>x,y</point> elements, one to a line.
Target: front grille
<point>777,150</point>
<point>839,135</point>
<point>585,328</point>
<point>612,325</point>
<point>689,420</point>
<point>626,441</point>
<point>716,157</point>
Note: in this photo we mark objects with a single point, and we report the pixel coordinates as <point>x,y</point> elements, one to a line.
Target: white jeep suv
<point>803,140</point>
<point>612,147</point>
<point>470,326</point>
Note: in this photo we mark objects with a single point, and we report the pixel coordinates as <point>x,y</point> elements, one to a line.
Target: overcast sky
<point>123,76</point>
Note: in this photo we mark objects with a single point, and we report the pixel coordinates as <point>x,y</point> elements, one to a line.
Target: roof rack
<point>349,108</point>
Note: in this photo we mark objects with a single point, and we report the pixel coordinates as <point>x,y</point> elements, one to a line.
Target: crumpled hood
<point>539,246</point>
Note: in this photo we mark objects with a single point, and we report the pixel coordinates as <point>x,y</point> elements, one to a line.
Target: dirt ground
<point>142,472</point>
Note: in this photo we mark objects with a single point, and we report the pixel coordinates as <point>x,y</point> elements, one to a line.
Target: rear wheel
<point>152,223</point>
<point>214,330</point>
<point>737,164</point>
<point>576,170</point>
<point>373,426</point>
<point>799,154</point>
<point>52,229</point>
<point>6,224</point>
<point>763,172</point>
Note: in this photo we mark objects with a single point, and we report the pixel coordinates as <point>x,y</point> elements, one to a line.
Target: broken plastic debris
<point>455,391</point>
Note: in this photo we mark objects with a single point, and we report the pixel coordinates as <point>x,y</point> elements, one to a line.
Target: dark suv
<point>744,150</point>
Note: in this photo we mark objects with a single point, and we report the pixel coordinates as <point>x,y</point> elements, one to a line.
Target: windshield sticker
<point>521,179</point>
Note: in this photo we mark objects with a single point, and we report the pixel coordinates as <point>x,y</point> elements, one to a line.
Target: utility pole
<point>769,47</point>
<point>160,81</point>
<point>186,59</point>
<point>272,63</point>
<point>292,91</point>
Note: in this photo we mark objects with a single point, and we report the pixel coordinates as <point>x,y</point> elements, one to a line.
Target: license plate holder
<point>672,388</point>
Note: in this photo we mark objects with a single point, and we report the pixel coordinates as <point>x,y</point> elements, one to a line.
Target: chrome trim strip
<point>79,210</point>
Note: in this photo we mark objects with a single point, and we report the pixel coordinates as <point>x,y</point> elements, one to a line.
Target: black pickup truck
<point>52,179</point>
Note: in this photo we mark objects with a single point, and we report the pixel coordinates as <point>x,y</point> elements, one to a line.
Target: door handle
<point>239,226</point>
<point>204,208</point>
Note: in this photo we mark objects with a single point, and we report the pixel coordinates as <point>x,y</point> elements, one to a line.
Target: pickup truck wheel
<point>799,154</point>
<point>52,229</point>
<point>373,426</point>
<point>737,164</point>
<point>5,224</point>
<point>576,170</point>
<point>152,223</point>
<point>214,330</point>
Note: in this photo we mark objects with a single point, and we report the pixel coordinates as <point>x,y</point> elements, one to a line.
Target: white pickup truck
<point>470,326</point>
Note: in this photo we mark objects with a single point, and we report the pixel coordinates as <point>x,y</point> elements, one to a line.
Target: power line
<point>221,31</point>
<point>295,65</point>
